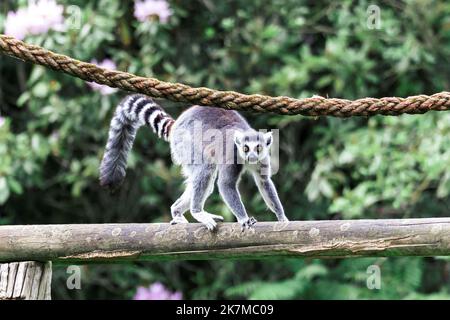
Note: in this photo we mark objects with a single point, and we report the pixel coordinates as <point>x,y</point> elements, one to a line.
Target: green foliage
<point>291,288</point>
<point>402,157</point>
<point>55,130</point>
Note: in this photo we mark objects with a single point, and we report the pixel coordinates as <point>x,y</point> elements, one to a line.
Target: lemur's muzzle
<point>252,158</point>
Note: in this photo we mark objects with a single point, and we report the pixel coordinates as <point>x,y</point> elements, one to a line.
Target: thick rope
<point>315,106</point>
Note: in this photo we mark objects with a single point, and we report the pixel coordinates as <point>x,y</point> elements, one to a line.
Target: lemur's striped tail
<point>133,112</point>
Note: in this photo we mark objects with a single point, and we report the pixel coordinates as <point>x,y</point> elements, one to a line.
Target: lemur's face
<point>253,146</point>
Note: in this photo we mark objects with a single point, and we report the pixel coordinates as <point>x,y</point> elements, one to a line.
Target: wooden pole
<point>316,239</point>
<point>28,280</point>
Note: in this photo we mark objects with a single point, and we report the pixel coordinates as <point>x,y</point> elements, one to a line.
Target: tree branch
<point>318,239</point>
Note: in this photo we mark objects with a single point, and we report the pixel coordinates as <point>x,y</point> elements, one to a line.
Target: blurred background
<point>53,130</point>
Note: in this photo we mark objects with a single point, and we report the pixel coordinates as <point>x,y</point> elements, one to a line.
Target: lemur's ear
<point>238,137</point>
<point>268,138</point>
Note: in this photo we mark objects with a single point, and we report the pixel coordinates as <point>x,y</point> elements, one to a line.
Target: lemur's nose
<point>252,158</point>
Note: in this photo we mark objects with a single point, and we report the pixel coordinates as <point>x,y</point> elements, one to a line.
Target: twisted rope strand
<point>315,106</point>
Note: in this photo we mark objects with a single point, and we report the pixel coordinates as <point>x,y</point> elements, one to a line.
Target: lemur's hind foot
<point>215,216</point>
<point>179,220</point>
<point>283,219</point>
<point>208,219</point>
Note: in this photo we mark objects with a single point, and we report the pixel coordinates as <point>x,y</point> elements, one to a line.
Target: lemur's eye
<point>258,148</point>
<point>246,149</point>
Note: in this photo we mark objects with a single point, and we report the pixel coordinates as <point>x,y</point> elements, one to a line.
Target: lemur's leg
<point>208,193</point>
<point>270,195</point>
<point>202,181</point>
<point>179,208</point>
<point>228,188</point>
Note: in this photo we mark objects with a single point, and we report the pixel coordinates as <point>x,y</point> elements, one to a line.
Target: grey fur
<point>133,112</point>
<point>210,144</point>
<point>187,146</point>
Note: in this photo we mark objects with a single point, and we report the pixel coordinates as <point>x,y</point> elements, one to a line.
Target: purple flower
<point>147,8</point>
<point>16,24</point>
<point>104,90</point>
<point>38,18</point>
<point>156,291</point>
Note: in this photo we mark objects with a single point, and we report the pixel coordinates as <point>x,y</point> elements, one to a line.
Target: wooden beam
<point>29,280</point>
<point>159,241</point>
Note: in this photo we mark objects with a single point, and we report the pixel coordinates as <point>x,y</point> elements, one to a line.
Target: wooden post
<point>28,280</point>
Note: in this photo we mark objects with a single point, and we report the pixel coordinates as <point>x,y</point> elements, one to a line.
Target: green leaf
<point>4,190</point>
<point>41,89</point>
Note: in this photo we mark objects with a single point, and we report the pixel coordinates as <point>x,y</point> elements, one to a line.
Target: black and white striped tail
<point>133,112</point>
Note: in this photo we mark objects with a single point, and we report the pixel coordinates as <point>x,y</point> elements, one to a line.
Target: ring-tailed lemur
<point>215,156</point>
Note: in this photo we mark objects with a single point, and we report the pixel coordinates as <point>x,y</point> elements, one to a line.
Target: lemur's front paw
<point>247,223</point>
<point>283,219</point>
<point>206,218</point>
<point>179,219</point>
